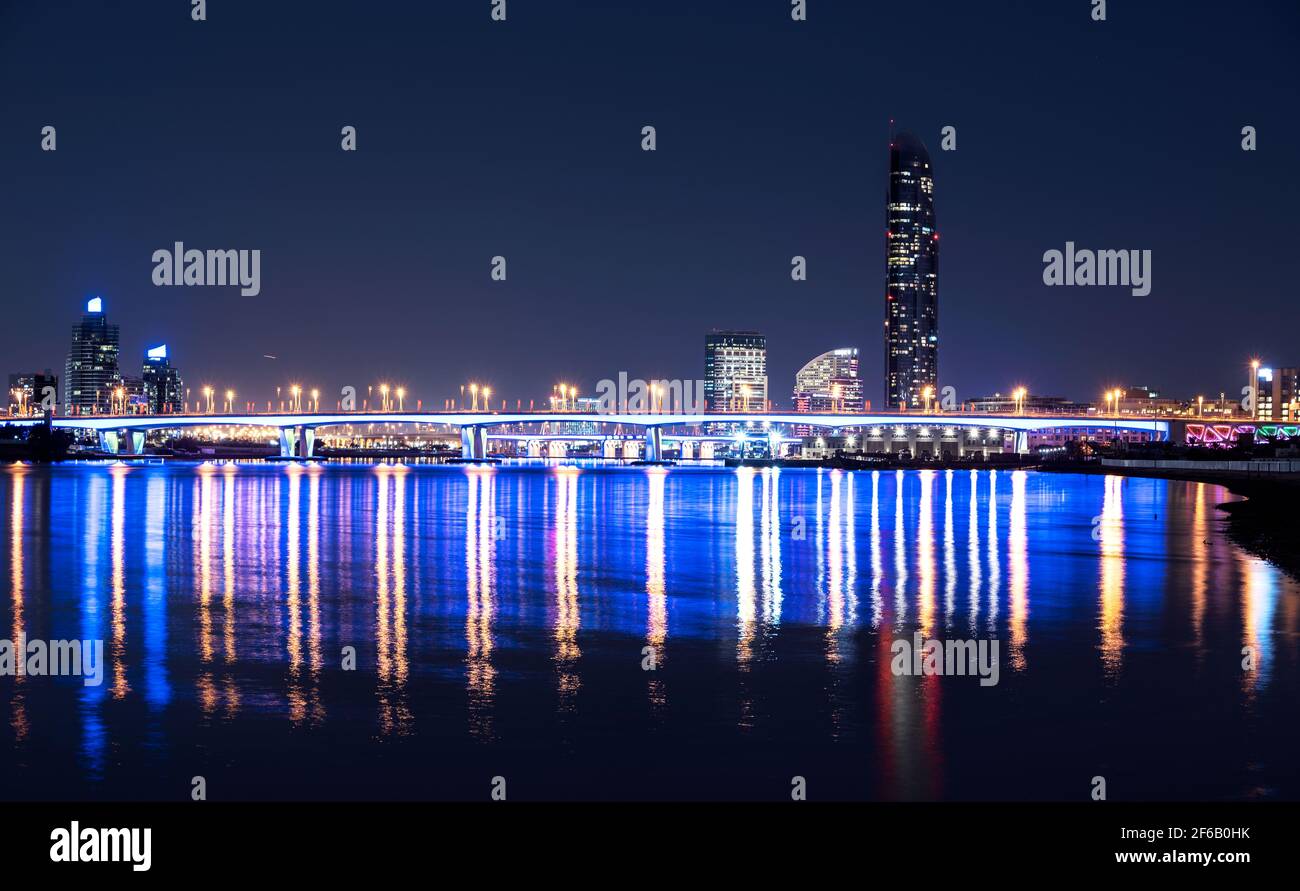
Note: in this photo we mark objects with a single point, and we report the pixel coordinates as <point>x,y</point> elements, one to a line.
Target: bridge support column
<point>609,448</point>
<point>687,449</point>
<point>108,441</point>
<point>286,444</point>
<point>473,442</point>
<point>1022,442</point>
<point>306,441</point>
<point>654,444</point>
<point>131,442</point>
<point>773,443</point>
<point>534,449</point>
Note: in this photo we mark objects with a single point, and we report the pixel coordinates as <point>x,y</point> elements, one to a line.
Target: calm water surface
<point>500,618</point>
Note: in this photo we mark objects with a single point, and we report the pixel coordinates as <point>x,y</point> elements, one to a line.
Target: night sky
<point>523,139</point>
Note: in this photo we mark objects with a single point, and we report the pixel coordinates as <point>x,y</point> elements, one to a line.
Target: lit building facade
<point>30,392</point>
<point>91,373</point>
<point>1276,397</point>
<point>999,404</point>
<point>735,371</point>
<point>830,383</point>
<point>164,391</point>
<point>911,277</point>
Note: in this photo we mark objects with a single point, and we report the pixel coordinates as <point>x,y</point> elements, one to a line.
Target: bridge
<point>124,434</point>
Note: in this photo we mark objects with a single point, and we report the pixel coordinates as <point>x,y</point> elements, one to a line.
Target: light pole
<point>487,395</point>
<point>207,394</point>
<point>401,396</point>
<point>473,392</point>
<point>230,401</point>
<point>1254,388</point>
<point>1200,406</point>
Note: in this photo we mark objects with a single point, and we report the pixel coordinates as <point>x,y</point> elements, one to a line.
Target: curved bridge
<point>125,433</point>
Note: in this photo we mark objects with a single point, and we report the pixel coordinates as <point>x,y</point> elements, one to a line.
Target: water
<point>500,619</point>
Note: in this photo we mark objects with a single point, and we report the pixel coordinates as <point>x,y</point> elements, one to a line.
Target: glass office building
<point>911,277</point>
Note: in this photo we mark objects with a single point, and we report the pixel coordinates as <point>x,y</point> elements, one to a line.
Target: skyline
<point>621,259</point>
<point>97,315</point>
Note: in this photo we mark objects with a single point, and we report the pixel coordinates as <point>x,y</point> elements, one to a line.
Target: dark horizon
<point>522,139</point>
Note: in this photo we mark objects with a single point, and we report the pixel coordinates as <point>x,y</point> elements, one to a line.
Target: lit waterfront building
<point>1148,401</point>
<point>735,371</point>
<point>1276,397</point>
<point>91,373</point>
<point>830,383</point>
<point>164,391</point>
<point>29,390</point>
<point>1000,404</point>
<point>911,277</point>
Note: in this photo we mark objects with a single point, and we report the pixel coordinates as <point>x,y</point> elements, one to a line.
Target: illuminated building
<point>911,277</point>
<point>1000,404</point>
<point>1276,394</point>
<point>29,390</point>
<point>830,383</point>
<point>91,373</point>
<point>735,371</point>
<point>164,391</point>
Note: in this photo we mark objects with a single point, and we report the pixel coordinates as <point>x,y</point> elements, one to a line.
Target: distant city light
<point>95,304</point>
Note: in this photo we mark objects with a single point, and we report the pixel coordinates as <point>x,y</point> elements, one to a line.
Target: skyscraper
<point>91,373</point>
<point>830,383</point>
<point>164,390</point>
<point>735,371</point>
<point>911,277</point>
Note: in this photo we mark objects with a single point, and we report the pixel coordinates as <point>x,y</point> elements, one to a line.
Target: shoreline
<point>1262,523</point>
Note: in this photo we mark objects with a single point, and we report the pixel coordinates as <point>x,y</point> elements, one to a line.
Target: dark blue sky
<point>523,139</point>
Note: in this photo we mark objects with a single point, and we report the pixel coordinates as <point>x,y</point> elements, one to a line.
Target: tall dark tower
<point>91,372</point>
<point>911,277</point>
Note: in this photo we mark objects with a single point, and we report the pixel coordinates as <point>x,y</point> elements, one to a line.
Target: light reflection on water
<point>511,613</point>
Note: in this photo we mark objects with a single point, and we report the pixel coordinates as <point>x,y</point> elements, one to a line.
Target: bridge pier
<point>654,444</point>
<point>108,441</point>
<point>473,442</point>
<point>773,442</point>
<point>286,444</point>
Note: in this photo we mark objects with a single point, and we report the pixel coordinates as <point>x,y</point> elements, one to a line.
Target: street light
<point>1200,406</point>
<point>1253,384</point>
<point>207,393</point>
<point>927,394</point>
<point>315,398</point>
<point>230,401</point>
<point>487,394</point>
<point>401,395</point>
